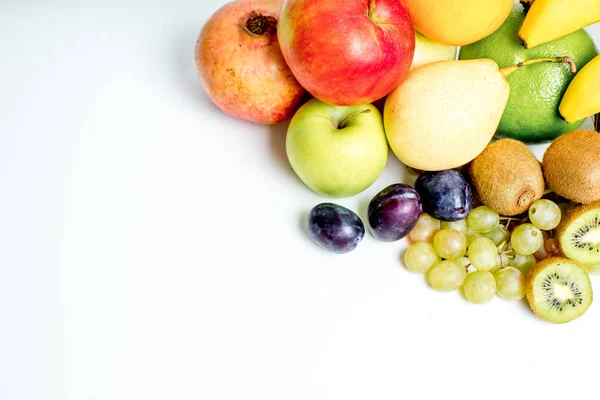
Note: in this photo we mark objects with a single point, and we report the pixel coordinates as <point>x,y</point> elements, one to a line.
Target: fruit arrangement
<point>357,80</point>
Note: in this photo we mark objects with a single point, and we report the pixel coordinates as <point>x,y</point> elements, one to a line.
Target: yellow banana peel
<point>548,20</point>
<point>582,98</point>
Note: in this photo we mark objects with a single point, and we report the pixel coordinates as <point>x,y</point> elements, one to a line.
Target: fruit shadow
<point>303,222</point>
<point>523,306</point>
<point>363,213</point>
<point>277,139</point>
<point>277,135</point>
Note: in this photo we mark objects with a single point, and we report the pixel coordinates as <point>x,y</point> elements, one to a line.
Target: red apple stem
<point>352,114</point>
<point>371,9</point>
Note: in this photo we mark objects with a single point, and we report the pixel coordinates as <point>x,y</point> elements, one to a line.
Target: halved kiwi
<point>559,290</point>
<point>578,234</point>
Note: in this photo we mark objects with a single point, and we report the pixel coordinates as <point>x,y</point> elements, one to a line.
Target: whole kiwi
<point>571,166</point>
<point>507,177</point>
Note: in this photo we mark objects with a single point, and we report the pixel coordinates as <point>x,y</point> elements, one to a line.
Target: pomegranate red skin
<point>341,54</point>
<point>244,73</point>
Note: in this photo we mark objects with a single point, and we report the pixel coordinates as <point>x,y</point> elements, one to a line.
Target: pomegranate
<point>241,66</point>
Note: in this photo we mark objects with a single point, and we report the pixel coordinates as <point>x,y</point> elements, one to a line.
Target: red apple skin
<point>340,54</point>
<point>244,73</point>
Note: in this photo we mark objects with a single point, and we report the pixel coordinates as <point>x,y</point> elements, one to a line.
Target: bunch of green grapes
<point>481,254</point>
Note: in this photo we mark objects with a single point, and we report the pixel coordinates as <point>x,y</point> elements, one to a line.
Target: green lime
<point>531,114</point>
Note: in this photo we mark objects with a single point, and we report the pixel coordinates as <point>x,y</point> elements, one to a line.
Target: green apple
<point>428,51</point>
<point>337,151</point>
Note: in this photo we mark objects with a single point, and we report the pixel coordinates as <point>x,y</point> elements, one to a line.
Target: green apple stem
<point>564,60</point>
<point>371,9</point>
<point>352,114</point>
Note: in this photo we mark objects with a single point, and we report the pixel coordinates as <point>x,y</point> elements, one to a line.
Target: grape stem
<point>548,191</point>
<point>502,244</point>
<point>509,219</point>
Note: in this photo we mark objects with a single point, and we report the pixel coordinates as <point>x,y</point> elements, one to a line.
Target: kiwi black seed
<point>571,166</point>
<point>559,290</point>
<point>507,177</point>
<point>578,234</point>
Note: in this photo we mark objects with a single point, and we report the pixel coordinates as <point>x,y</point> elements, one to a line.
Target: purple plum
<point>335,228</point>
<point>446,195</point>
<point>394,212</point>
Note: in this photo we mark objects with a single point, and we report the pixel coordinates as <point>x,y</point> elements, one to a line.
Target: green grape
<point>483,219</point>
<point>460,225</point>
<point>464,261</point>
<point>483,254</point>
<point>450,244</point>
<point>510,283</point>
<point>479,287</point>
<point>526,239</point>
<point>503,248</point>
<point>425,229</point>
<point>545,214</point>
<point>542,253</point>
<point>420,257</point>
<point>447,276</point>
<point>472,236</point>
<point>498,235</point>
<point>497,267</point>
<point>504,260</point>
<point>551,245</point>
<point>522,263</point>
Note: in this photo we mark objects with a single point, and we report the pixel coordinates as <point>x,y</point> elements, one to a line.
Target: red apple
<point>241,66</point>
<point>347,52</point>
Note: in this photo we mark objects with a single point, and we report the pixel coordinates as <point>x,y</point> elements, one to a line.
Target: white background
<point>153,248</point>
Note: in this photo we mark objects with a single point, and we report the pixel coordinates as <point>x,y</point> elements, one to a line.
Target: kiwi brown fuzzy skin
<point>570,217</point>
<point>571,166</point>
<point>507,177</point>
<point>537,269</point>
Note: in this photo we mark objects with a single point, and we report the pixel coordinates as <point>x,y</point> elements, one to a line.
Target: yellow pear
<point>445,113</point>
<point>458,22</point>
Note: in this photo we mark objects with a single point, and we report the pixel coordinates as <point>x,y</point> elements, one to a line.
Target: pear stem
<point>371,9</point>
<point>345,120</point>
<point>564,60</point>
<point>597,122</point>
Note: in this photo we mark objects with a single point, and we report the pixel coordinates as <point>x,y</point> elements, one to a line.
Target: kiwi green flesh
<point>562,292</point>
<point>581,240</point>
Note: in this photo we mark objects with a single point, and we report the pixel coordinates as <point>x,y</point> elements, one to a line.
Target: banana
<point>548,20</point>
<point>582,98</point>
